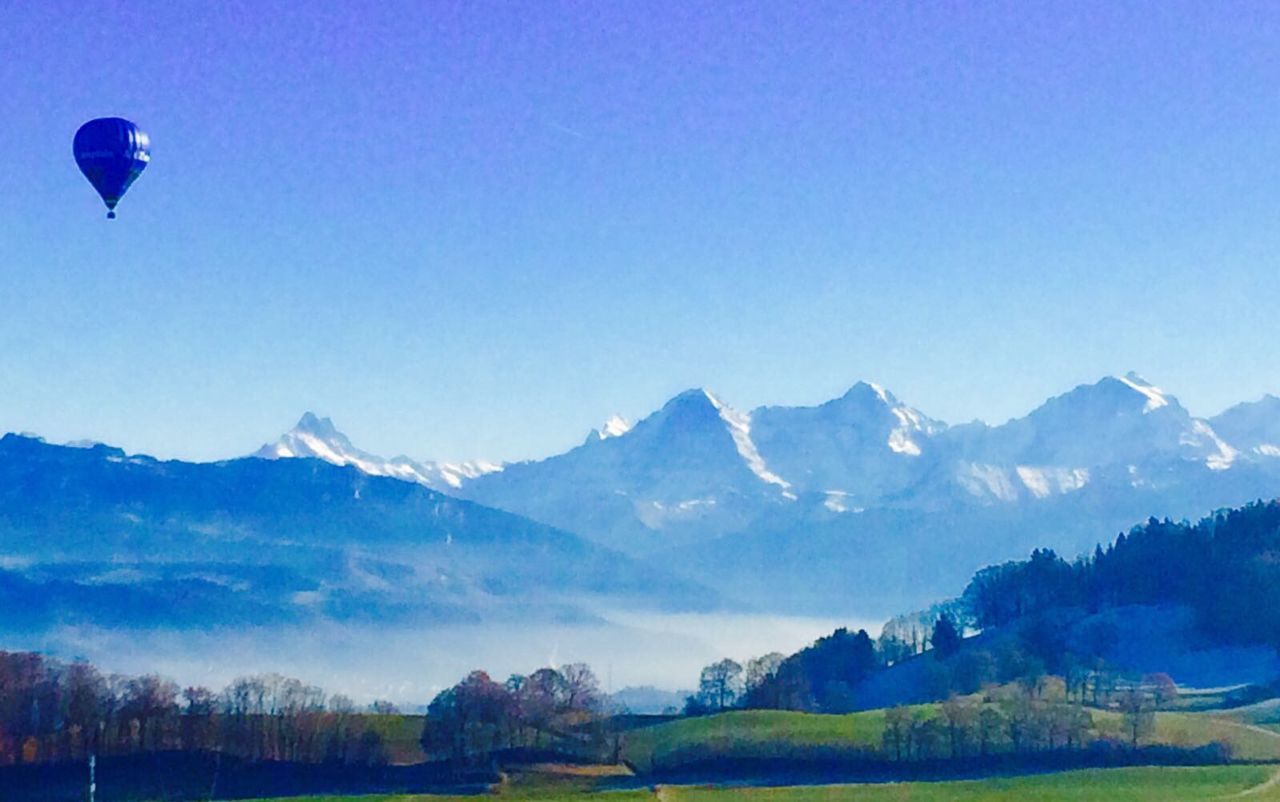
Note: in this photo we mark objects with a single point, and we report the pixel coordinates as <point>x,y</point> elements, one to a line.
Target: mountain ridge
<point>317,437</point>
<point>798,499</point>
<point>673,469</point>
<point>795,497</point>
<point>103,536</point>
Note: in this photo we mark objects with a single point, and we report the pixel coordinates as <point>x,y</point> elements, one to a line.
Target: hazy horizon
<point>409,666</point>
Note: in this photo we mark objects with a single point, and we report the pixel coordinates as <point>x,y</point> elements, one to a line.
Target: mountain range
<point>862,503</point>
<point>93,536</point>
<point>862,507</point>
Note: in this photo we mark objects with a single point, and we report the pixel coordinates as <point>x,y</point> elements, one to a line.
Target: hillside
<point>778,734</point>
<point>93,535</point>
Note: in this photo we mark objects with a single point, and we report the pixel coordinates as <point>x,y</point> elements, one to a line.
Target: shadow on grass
<point>189,776</point>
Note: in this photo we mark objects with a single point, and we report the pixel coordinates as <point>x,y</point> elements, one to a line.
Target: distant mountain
<point>688,471</point>
<point>865,502</point>
<point>93,535</point>
<point>697,470</point>
<point>1072,439</point>
<point>1253,427</point>
<point>854,450</point>
<point>648,700</point>
<point>1115,421</point>
<point>318,438</point>
<point>616,426</point>
<point>1102,457</point>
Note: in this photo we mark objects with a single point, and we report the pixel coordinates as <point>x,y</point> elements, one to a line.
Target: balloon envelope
<point>112,153</point>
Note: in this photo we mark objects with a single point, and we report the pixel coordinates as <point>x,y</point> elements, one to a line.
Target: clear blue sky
<point>478,229</point>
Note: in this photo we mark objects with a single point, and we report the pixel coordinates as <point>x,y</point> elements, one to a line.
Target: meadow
<point>770,733</point>
<point>776,733</point>
<point>1108,785</point>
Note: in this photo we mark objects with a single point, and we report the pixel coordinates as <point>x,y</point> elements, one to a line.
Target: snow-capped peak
<point>318,438</point>
<point>739,424</point>
<point>1119,420</point>
<point>322,427</point>
<point>315,437</point>
<point>1253,427</point>
<point>911,423</point>
<point>701,411</point>
<point>1155,396</point>
<point>616,426</point>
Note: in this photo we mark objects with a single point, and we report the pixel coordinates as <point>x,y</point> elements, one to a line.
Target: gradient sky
<point>479,229</point>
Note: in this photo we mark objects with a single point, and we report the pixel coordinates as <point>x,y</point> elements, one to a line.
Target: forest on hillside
<point>1024,619</point>
<point>1226,568</point>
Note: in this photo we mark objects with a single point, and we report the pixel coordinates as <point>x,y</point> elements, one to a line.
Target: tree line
<point>52,711</point>
<point>1223,568</point>
<point>1026,718</point>
<point>553,709</point>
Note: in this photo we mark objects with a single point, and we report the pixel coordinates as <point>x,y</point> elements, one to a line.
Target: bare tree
<point>582,688</point>
<point>991,729</point>
<point>961,717</point>
<point>338,703</point>
<point>152,702</point>
<point>720,684</point>
<point>762,669</point>
<point>468,720</point>
<point>381,707</point>
<point>542,698</point>
<point>86,707</point>
<point>897,728</point>
<point>1139,711</point>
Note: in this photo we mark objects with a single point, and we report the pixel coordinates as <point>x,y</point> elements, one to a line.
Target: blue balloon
<point>112,153</point>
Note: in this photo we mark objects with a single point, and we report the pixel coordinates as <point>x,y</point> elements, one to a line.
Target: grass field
<point>1110,785</point>
<point>1247,742</point>
<point>759,733</point>
<point>754,733</point>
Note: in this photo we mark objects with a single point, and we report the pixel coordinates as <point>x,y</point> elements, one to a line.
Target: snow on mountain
<point>616,426</point>
<point>1060,446</point>
<point>696,445</point>
<point>1253,427</point>
<point>740,430</point>
<point>856,448</point>
<point>691,469</point>
<point>318,438</point>
<point>697,468</point>
<point>798,498</point>
<point>1154,395</point>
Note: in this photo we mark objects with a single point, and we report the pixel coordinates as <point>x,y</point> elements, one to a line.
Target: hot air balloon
<point>112,153</point>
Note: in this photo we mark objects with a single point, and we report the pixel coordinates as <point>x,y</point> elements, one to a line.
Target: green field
<point>1247,742</point>
<point>1110,785</point>
<point>775,733</point>
<point>754,733</point>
